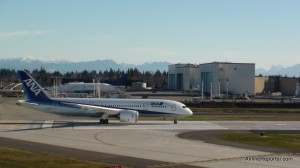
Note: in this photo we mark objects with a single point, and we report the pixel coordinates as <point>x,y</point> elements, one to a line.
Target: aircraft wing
<point>110,111</point>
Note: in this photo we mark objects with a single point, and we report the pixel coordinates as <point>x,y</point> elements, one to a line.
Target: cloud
<point>20,33</point>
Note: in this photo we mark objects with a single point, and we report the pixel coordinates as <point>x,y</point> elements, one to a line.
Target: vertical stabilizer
<point>33,90</point>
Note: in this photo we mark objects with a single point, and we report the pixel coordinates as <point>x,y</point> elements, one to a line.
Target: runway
<point>155,141</point>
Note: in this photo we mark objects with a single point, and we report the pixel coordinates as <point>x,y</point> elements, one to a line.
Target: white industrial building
<point>183,76</point>
<point>218,78</point>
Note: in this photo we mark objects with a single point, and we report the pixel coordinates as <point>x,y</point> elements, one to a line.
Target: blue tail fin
<point>33,90</point>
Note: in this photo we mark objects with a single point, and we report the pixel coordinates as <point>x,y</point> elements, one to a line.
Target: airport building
<point>284,86</point>
<point>183,76</point>
<point>216,78</point>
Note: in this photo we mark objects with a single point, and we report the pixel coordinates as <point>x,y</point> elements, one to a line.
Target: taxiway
<point>145,144</point>
<point>151,140</point>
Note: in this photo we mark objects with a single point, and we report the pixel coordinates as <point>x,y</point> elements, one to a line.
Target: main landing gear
<point>103,121</point>
<point>175,121</point>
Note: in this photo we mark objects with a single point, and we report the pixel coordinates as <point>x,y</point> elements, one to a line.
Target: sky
<point>264,32</point>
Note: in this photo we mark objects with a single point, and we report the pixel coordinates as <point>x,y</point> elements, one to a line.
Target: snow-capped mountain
<point>31,63</point>
<point>64,66</point>
<point>279,70</point>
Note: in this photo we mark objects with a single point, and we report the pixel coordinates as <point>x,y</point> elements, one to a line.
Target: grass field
<point>286,141</point>
<point>200,116</point>
<point>12,158</point>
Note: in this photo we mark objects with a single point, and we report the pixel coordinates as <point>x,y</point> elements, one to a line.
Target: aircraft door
<point>173,107</point>
<point>145,106</point>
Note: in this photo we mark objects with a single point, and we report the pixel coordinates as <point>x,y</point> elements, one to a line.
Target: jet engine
<point>129,116</point>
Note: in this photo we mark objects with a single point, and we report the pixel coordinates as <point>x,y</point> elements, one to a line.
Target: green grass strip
<point>13,158</point>
<point>286,141</point>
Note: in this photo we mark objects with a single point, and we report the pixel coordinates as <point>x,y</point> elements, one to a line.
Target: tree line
<point>156,79</point>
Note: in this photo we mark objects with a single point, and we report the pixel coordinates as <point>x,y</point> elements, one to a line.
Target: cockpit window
<point>183,106</point>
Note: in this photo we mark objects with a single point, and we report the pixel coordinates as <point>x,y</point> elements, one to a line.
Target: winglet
<point>33,90</point>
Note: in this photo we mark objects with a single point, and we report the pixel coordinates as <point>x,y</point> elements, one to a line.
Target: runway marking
<point>150,166</point>
<point>36,125</point>
<point>47,124</point>
<point>152,125</point>
<point>166,165</point>
<point>91,125</point>
<point>281,124</point>
<point>98,138</point>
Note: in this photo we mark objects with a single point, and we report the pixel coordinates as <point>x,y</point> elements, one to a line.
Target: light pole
<point>219,87</point>
<point>211,91</point>
<point>94,87</point>
<point>56,82</point>
<point>202,89</point>
<point>297,87</point>
<point>227,81</point>
<point>97,83</point>
<point>99,92</point>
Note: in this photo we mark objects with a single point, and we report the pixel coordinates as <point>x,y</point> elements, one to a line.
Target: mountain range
<point>65,66</point>
<point>102,65</point>
<point>292,71</point>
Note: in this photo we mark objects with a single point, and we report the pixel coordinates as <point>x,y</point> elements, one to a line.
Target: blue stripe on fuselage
<point>66,104</point>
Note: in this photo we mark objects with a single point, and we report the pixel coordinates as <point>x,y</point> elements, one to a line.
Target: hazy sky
<point>265,32</point>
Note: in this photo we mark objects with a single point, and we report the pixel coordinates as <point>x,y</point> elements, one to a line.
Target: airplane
<point>126,110</point>
<point>86,87</point>
<point>295,99</point>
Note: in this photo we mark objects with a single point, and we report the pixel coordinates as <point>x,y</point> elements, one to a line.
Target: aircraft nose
<point>189,112</point>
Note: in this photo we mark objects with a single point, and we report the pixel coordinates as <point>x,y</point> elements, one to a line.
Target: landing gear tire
<point>103,121</point>
<point>175,121</point>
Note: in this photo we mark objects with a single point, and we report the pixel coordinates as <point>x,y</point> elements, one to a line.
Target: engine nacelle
<point>129,116</point>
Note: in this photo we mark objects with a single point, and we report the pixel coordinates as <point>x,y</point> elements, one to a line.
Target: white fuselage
<point>127,110</point>
<point>145,107</point>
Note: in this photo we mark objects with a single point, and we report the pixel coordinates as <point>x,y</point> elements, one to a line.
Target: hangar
<point>286,86</point>
<point>216,78</point>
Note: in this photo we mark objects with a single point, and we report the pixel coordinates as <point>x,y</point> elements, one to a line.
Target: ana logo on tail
<point>33,87</point>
